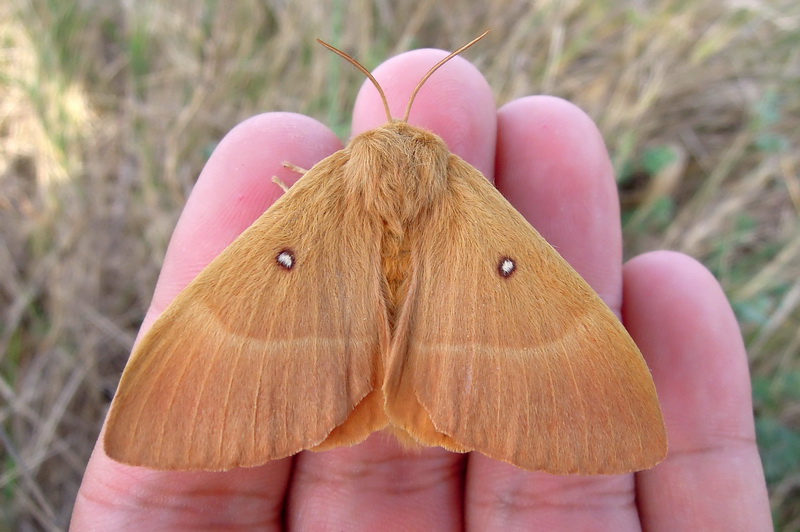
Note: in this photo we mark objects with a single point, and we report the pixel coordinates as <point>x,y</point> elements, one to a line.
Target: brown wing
<point>259,358</point>
<point>531,368</point>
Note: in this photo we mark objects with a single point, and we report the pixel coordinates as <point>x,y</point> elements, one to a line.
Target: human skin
<point>547,157</point>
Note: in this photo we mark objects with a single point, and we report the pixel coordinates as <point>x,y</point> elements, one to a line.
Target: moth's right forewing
<point>269,349</point>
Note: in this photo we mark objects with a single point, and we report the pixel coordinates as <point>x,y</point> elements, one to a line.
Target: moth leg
<point>294,167</point>
<point>278,181</point>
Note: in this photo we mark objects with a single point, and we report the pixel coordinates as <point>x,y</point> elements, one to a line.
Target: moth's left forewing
<point>503,348</point>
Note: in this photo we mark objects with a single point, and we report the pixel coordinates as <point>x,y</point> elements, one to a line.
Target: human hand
<point>548,159</point>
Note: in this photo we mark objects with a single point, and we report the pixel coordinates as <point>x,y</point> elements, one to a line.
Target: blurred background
<point>109,109</point>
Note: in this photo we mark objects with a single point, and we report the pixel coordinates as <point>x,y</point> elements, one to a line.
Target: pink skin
<point>548,158</point>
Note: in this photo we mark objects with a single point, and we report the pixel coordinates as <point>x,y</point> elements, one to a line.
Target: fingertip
<point>673,283</point>
<point>549,148</point>
<point>670,267</point>
<point>456,102</point>
<point>557,128</point>
<point>237,179</point>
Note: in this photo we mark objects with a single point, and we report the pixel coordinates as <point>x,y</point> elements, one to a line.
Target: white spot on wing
<point>506,267</point>
<point>286,259</point>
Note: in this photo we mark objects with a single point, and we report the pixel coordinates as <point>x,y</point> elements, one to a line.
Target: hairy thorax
<point>397,172</point>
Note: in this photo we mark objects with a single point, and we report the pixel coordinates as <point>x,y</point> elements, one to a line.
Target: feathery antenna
<point>374,81</point>
<point>435,68</point>
<point>366,73</point>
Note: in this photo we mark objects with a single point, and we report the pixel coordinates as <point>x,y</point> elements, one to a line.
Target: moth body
<point>396,289</point>
<point>392,287</point>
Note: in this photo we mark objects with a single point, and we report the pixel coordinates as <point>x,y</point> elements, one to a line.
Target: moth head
<point>367,73</point>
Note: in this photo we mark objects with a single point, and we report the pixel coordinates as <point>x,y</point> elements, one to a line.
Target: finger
<point>712,478</point>
<point>234,189</point>
<point>553,167</point>
<point>378,482</point>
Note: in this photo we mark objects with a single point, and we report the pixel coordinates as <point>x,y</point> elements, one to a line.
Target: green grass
<point>108,113</point>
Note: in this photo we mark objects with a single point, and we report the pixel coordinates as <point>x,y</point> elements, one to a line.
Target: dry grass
<point>107,114</point>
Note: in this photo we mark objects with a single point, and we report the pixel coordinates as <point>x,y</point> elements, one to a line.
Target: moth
<point>391,288</point>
